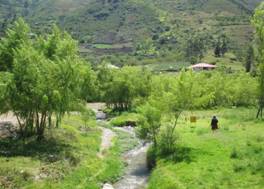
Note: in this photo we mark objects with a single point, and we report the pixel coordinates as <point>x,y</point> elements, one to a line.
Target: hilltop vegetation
<point>144,29</point>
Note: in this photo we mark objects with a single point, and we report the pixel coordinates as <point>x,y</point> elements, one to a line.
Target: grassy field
<point>232,157</point>
<point>67,158</point>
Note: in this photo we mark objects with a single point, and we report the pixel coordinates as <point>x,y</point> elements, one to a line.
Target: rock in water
<point>108,186</point>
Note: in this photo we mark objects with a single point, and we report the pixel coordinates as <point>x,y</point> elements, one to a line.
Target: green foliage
<point>151,157</point>
<point>191,90</point>
<point>45,76</point>
<point>5,81</point>
<point>196,47</point>
<point>167,142</point>
<point>127,86</point>
<point>87,114</point>
<point>249,59</point>
<point>146,48</point>
<point>126,119</point>
<point>259,25</point>
<point>221,46</point>
<point>150,123</point>
<point>89,89</point>
<point>15,38</point>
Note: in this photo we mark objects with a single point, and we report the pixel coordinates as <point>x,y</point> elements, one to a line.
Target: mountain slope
<point>167,23</point>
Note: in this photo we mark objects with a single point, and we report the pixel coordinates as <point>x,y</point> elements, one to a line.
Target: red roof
<point>203,65</point>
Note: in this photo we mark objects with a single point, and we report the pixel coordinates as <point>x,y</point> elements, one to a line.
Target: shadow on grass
<point>181,154</point>
<point>46,150</point>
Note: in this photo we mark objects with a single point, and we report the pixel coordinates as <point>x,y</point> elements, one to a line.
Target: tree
<point>221,46</point>
<point>45,79</point>
<point>150,123</point>
<point>249,59</point>
<point>14,39</point>
<point>146,48</point>
<point>217,50</point>
<point>258,22</point>
<point>29,91</point>
<point>62,50</point>
<point>89,85</point>
<point>224,47</point>
<point>195,48</point>
<point>261,92</point>
<point>127,87</point>
<point>104,78</point>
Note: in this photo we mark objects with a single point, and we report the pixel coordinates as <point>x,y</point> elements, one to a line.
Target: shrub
<point>151,158</point>
<point>126,119</point>
<point>167,142</point>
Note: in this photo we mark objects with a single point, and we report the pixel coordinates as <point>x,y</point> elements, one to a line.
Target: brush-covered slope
<point>166,23</point>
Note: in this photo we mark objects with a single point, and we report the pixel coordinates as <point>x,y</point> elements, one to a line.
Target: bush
<point>167,142</point>
<point>205,90</point>
<point>151,158</point>
<point>126,119</point>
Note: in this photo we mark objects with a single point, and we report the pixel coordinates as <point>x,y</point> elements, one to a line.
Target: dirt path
<point>107,137</point>
<point>107,134</point>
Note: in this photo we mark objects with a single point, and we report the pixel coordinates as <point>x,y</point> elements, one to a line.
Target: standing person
<point>214,123</point>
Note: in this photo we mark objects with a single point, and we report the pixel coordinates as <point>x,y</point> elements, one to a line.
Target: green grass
<point>232,157</point>
<point>125,119</point>
<point>67,158</point>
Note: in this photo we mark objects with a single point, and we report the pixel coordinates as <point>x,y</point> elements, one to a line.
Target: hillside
<point>148,28</point>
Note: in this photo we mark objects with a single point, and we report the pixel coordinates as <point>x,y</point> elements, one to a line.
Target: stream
<point>136,172</point>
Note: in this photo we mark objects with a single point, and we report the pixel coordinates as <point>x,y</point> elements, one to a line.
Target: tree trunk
<point>42,126</point>
<point>58,120</point>
<point>50,120</point>
<point>20,126</point>
<point>260,113</point>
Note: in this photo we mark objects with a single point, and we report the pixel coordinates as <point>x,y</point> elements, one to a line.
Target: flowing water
<point>136,173</point>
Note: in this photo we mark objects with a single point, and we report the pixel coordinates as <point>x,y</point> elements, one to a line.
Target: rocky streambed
<point>136,172</point>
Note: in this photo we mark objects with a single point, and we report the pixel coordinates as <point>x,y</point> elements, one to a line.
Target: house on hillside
<point>202,66</point>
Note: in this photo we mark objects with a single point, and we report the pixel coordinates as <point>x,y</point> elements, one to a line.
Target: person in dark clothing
<point>214,123</point>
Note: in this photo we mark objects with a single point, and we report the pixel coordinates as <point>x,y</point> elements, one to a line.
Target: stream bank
<point>136,173</point>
